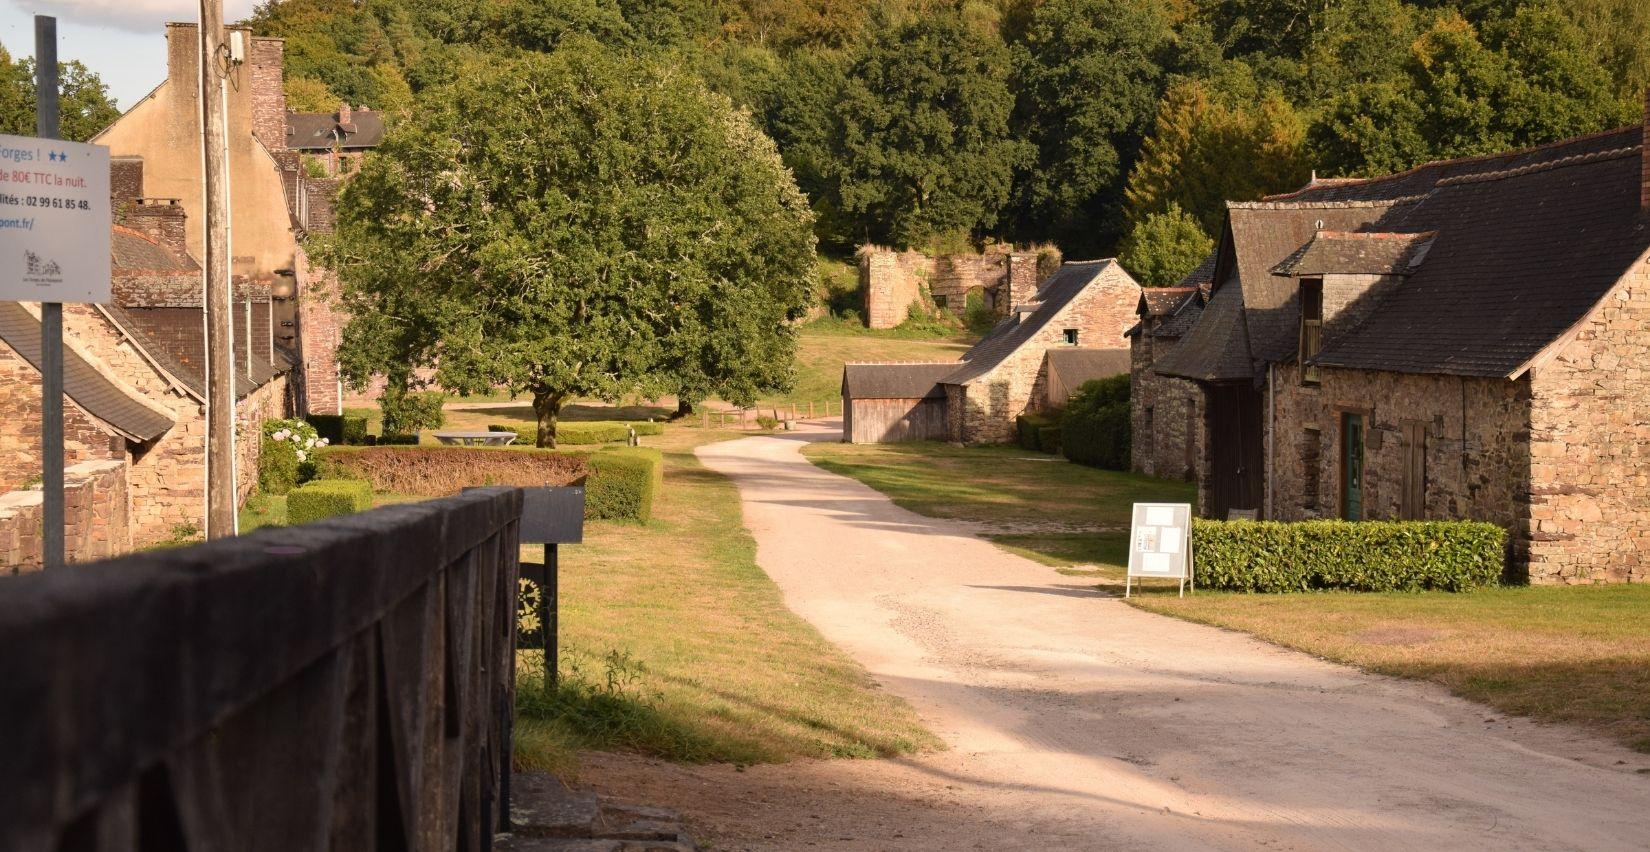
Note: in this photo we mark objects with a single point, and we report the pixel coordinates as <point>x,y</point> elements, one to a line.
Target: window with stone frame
<point>1071,337</point>
<point>1311,457</point>
<point>1311,341</point>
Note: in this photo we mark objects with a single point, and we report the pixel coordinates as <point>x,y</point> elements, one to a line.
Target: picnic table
<point>470,439</point>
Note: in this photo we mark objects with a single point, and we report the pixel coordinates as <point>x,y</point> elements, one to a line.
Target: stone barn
<point>1167,413</point>
<point>884,403</point>
<point>1464,340</point>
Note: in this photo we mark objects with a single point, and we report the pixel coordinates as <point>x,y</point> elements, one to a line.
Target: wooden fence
<point>344,685</point>
<point>747,418</point>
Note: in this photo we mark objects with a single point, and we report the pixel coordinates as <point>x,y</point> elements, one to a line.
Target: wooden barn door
<point>1236,450</point>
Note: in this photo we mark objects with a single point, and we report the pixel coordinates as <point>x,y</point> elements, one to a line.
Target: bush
<point>285,458</point>
<point>623,482</point>
<point>408,413</point>
<point>398,440</point>
<point>1048,439</point>
<point>1096,425</point>
<point>648,428</point>
<point>977,316</point>
<point>340,428</point>
<point>1028,426</point>
<point>327,498</point>
<point>767,421</point>
<point>579,432</point>
<point>1365,556</point>
<point>440,471</point>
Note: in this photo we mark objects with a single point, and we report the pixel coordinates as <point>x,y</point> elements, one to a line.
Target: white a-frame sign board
<point>1160,544</point>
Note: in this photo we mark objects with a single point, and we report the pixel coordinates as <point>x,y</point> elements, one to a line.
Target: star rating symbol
<point>51,155</point>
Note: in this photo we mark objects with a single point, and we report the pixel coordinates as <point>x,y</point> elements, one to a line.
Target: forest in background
<point>1103,126</point>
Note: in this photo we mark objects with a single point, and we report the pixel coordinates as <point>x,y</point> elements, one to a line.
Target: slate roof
<point>319,131</point>
<point>1161,301</point>
<point>1183,317</point>
<point>1204,275</point>
<point>1521,256</point>
<point>1072,367</point>
<point>175,339</point>
<point>132,251</point>
<point>917,380</point>
<point>1358,253</point>
<point>1534,237</point>
<point>1013,331</point>
<point>82,382</point>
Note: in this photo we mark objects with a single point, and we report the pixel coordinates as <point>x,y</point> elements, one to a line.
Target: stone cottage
<point>1067,332</point>
<point>1465,339</point>
<point>134,383</point>
<point>155,152</point>
<point>337,140</point>
<point>1167,413</point>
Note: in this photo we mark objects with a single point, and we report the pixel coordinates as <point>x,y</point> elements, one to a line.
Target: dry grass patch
<point>677,645</point>
<point>1558,654</point>
<point>442,471</point>
<point>821,353</point>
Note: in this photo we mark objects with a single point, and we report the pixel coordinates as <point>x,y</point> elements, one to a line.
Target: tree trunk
<point>546,407</point>
<point>683,408</point>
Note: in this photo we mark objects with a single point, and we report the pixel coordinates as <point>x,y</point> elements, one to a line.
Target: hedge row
<point>1048,439</point>
<point>340,429</point>
<point>580,432</point>
<point>440,471</point>
<point>1029,428</point>
<point>327,498</point>
<point>1095,429</point>
<point>1365,556</point>
<point>623,483</point>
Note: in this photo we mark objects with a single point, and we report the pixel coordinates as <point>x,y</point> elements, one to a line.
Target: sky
<point>123,41</point>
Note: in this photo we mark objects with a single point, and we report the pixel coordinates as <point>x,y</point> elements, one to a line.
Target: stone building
<point>134,383</point>
<point>337,140</point>
<point>1465,340</point>
<point>1167,413</point>
<point>894,281</point>
<point>1069,331</point>
<point>155,148</point>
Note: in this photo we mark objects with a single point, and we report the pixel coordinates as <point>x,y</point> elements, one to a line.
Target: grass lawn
<point>1572,654</point>
<point>825,345</point>
<point>1005,486</point>
<point>674,643</point>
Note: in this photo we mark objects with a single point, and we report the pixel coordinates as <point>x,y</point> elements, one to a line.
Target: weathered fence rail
<point>746,418</point>
<point>344,685</point>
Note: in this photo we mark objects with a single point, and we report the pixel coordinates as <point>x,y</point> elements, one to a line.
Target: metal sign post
<point>51,317</point>
<point>1160,544</point>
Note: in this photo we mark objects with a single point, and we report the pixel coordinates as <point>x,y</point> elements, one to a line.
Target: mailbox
<point>552,515</point>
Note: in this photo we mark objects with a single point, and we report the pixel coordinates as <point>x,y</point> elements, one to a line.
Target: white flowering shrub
<point>287,458</point>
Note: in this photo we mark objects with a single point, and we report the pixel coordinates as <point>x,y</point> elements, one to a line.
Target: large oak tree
<point>581,223</point>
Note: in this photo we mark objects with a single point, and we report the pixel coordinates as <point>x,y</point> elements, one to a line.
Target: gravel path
<point>1077,722</point>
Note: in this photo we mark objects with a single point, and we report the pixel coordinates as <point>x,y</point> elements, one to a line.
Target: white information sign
<point>54,220</point>
<point>1160,543</point>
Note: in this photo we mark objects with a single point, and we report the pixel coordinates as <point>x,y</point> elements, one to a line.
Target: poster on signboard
<point>54,220</point>
<point>1160,543</point>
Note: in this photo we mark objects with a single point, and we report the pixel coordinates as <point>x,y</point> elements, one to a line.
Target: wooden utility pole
<point>220,367</point>
<point>46,117</point>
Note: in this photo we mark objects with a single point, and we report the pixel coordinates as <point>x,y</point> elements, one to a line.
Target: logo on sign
<point>40,271</point>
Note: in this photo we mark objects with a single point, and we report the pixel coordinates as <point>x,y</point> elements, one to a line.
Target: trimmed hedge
<point>1096,426</point>
<point>1029,427</point>
<point>1048,439</point>
<point>340,429</point>
<point>579,432</point>
<point>440,471</point>
<point>327,498</point>
<point>398,440</point>
<point>623,483</point>
<point>1365,556</point>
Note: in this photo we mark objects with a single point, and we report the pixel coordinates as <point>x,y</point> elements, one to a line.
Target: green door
<point>1352,467</point>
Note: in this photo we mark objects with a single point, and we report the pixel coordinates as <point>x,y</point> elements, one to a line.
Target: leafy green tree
<point>1203,153</point>
<point>613,227</point>
<point>923,146</point>
<point>307,94</point>
<point>83,100</point>
<point>1164,247</point>
<point>1090,73</point>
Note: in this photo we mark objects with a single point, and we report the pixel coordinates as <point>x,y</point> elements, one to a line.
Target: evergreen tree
<point>1164,247</point>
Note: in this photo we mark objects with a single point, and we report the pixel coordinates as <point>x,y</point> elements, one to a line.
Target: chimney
<point>183,48</point>
<point>1644,157</point>
<point>162,220</point>
<point>265,59</point>
<point>1022,280</point>
<point>344,115</point>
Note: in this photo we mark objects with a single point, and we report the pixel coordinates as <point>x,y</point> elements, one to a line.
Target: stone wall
<point>265,403</point>
<point>20,411</point>
<point>984,411</point>
<point>1167,414</point>
<point>266,57</point>
<point>1589,518</point>
<point>893,281</point>
<point>1476,452</point>
<point>320,327</point>
<point>96,518</point>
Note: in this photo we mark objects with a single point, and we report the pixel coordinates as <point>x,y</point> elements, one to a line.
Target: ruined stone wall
<point>892,281</point>
<point>1476,452</point>
<point>990,403</point>
<point>96,521</point>
<point>1166,414</point>
<point>265,403</point>
<point>20,418</point>
<point>1590,447</point>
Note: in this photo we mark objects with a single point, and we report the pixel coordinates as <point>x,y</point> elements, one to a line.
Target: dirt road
<point>1077,722</point>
